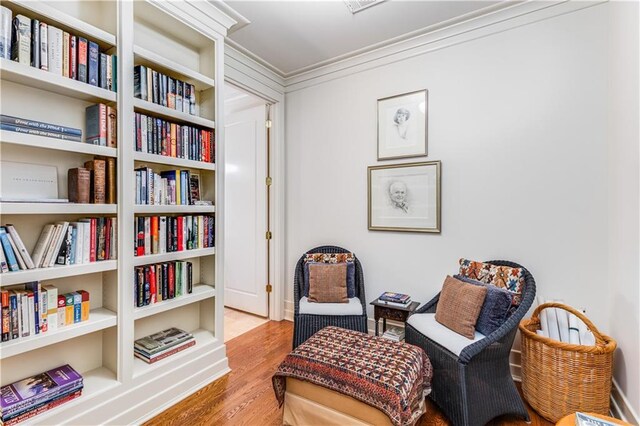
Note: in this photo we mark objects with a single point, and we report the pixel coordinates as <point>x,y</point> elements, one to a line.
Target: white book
<point>147,236</point>
<point>62,236</point>
<point>3,262</point>
<point>185,230</point>
<point>52,307</point>
<point>51,246</point>
<point>42,244</point>
<point>23,250</point>
<point>21,50</point>
<point>32,314</point>
<point>200,232</point>
<point>44,46</point>
<point>143,133</point>
<point>55,49</point>
<point>6,16</point>
<point>162,237</point>
<point>43,300</point>
<point>21,263</point>
<point>86,244</point>
<point>79,226</point>
<point>24,313</point>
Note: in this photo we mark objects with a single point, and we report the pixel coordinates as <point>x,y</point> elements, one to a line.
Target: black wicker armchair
<point>305,325</point>
<point>476,386</point>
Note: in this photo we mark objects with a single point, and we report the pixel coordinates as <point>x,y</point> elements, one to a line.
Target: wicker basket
<point>562,378</point>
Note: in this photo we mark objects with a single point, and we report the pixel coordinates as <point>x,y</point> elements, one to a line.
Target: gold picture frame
<point>404,197</point>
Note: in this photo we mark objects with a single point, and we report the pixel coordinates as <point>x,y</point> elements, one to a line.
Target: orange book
<point>173,152</point>
<point>154,235</point>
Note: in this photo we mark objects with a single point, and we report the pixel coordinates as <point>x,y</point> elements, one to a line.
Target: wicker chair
<point>476,386</point>
<point>305,325</point>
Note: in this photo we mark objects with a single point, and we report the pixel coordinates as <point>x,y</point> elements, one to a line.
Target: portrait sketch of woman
<point>402,126</point>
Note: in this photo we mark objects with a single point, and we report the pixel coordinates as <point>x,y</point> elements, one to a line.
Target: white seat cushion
<point>427,325</point>
<point>353,307</point>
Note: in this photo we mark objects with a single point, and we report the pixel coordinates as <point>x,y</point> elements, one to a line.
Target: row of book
<point>161,345</point>
<point>94,183</point>
<point>153,86</point>
<point>171,187</point>
<point>34,395</point>
<point>39,128</point>
<point>157,136</point>
<point>162,281</point>
<point>395,299</point>
<point>166,234</point>
<point>394,333</point>
<point>43,46</point>
<point>32,308</point>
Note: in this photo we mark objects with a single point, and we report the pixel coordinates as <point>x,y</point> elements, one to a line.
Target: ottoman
<point>341,376</point>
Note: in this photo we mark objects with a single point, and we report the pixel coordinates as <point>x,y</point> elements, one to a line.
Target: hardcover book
<point>78,181</point>
<point>96,124</point>
<point>6,16</point>
<point>35,43</point>
<point>102,74</point>
<point>54,49</point>
<point>112,127</point>
<point>98,178</point>
<point>44,46</point>
<point>162,340</point>
<point>21,40</point>
<point>26,181</point>
<point>38,132</point>
<point>66,42</point>
<point>83,48</point>
<point>93,63</point>
<point>40,125</point>
<point>73,57</point>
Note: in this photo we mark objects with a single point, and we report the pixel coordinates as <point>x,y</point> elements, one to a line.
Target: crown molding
<point>203,16</point>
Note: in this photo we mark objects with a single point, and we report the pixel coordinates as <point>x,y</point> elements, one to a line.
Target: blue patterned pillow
<point>495,309</point>
<point>351,279</point>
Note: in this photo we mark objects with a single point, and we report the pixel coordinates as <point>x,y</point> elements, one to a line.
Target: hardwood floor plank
<point>245,396</point>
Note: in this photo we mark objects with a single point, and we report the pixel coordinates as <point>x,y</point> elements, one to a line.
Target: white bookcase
<point>119,388</point>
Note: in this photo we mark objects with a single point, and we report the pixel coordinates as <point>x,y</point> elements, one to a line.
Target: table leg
<point>377,319</point>
<point>384,325</point>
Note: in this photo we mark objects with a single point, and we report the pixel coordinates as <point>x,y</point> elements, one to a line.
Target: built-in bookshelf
<point>118,388</point>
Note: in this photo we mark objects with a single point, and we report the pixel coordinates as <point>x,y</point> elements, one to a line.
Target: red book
<point>152,283</point>
<point>107,238</point>
<point>73,57</point>
<point>180,225</point>
<point>53,404</point>
<point>82,60</point>
<point>172,280</point>
<point>205,141</point>
<point>94,240</point>
<point>163,355</point>
<point>154,234</point>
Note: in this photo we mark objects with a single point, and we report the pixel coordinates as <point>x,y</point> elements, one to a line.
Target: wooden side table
<point>570,420</point>
<point>392,312</point>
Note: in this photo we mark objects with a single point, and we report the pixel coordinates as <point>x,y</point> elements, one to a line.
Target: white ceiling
<point>293,36</point>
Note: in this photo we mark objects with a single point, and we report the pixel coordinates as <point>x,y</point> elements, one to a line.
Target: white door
<point>246,211</point>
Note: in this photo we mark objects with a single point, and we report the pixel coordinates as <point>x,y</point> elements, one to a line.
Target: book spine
<point>6,317</point>
<point>41,408</point>
<point>39,125</point>
<point>167,354</point>
<point>109,72</point>
<point>45,397</point>
<point>6,16</point>
<point>12,262</point>
<point>112,129</point>
<point>73,57</point>
<point>93,63</point>
<point>14,313</point>
<point>36,132</point>
<point>192,100</point>
<point>52,307</point>
<point>82,59</point>
<point>21,247</point>
<point>44,46</point>
<point>96,124</point>
<point>66,42</point>
<point>44,311</point>
<point>94,240</point>
<point>114,73</point>
<point>77,307</point>
<point>21,40</point>
<point>102,70</point>
<point>21,262</point>
<point>35,43</point>
<point>3,261</point>
<point>54,50</point>
<point>68,308</point>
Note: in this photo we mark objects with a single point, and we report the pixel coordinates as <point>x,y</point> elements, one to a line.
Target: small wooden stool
<point>570,420</point>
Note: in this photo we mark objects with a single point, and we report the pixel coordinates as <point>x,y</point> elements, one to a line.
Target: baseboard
<point>288,310</point>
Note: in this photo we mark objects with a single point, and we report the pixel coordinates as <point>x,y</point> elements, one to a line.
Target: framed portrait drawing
<point>402,126</point>
<point>405,197</point>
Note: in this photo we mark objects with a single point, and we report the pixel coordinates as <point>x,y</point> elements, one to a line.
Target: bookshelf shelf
<point>40,274</point>
<point>42,142</point>
<point>200,292</point>
<point>148,58</point>
<point>204,339</point>
<point>57,208</point>
<point>172,161</point>
<point>99,319</point>
<point>151,209</point>
<point>68,23</point>
<point>171,114</point>
<point>176,255</point>
<point>39,79</point>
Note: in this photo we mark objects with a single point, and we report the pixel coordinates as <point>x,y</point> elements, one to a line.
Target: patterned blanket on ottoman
<point>393,377</point>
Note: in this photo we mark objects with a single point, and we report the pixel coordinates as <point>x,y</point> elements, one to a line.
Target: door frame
<point>275,97</point>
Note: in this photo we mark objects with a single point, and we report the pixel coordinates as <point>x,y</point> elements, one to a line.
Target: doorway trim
<point>252,77</point>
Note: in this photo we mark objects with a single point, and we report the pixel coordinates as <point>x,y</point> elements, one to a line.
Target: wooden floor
<point>245,396</point>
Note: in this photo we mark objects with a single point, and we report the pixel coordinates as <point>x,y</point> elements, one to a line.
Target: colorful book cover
<point>93,63</point>
<point>162,340</point>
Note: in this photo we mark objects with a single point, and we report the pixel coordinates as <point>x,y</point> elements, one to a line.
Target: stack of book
<point>153,86</point>
<point>167,234</point>
<point>43,46</point>
<point>163,281</point>
<point>31,309</point>
<point>157,136</point>
<point>34,395</point>
<point>395,299</point>
<point>394,333</point>
<point>94,183</point>
<point>161,345</point>
<point>39,128</point>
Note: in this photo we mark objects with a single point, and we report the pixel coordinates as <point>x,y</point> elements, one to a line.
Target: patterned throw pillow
<point>511,279</point>
<point>495,308</point>
<point>459,306</point>
<point>328,283</point>
<point>329,257</point>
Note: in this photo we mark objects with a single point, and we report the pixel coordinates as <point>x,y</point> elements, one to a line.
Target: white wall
<point>623,160</point>
<point>519,121</point>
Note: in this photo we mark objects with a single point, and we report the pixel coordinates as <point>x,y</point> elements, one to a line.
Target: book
<point>6,318</point>
<point>42,407</point>
<point>42,244</point>
<point>93,72</point>
<point>44,46</point>
<point>20,246</point>
<point>102,70</point>
<point>109,82</point>
<point>96,124</point>
<point>114,73</point>
<point>164,354</point>
<point>21,40</point>
<point>6,19</point>
<point>395,304</point>
<point>583,419</point>
<point>78,182</point>
<point>37,132</point>
<point>41,387</point>
<point>162,340</point>
<point>73,57</point>
<point>140,82</point>
<point>112,127</point>
<point>39,125</point>
<point>52,307</point>
<point>83,48</point>
<point>111,182</point>
<point>3,261</point>
<point>66,41</point>
<point>394,297</point>
<point>12,261</point>
<point>35,43</point>
<point>54,49</point>
<point>61,237</point>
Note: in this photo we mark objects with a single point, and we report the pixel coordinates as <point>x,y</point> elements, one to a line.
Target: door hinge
<point>268,181</point>
<point>267,124</point>
<point>268,235</point>
<point>269,288</point>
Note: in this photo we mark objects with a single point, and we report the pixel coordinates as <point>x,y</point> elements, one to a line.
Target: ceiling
<point>293,36</point>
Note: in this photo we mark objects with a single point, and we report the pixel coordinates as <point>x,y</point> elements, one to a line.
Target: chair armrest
<point>429,307</point>
<point>476,348</point>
